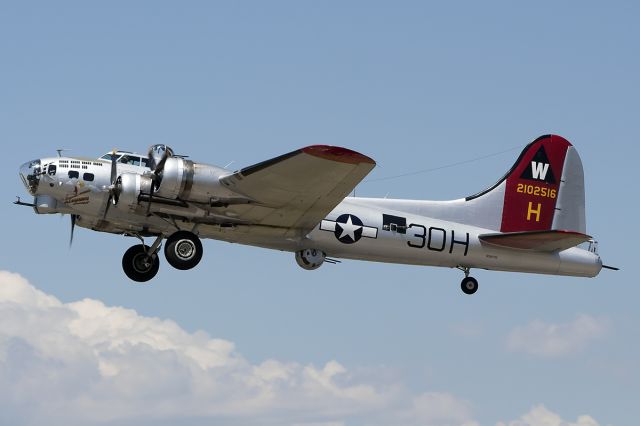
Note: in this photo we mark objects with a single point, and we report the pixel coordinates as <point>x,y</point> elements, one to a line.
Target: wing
<point>295,191</point>
<point>545,241</point>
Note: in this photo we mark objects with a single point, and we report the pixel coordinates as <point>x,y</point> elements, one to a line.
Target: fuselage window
<point>145,162</point>
<point>74,174</point>
<point>88,177</point>
<point>51,171</point>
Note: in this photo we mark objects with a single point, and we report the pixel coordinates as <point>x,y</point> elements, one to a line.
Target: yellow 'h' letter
<point>536,212</point>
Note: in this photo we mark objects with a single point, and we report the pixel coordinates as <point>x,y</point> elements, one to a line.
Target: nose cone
<point>30,173</point>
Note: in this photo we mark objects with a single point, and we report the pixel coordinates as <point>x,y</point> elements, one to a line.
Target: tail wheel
<point>138,265</point>
<point>469,285</point>
<point>183,250</point>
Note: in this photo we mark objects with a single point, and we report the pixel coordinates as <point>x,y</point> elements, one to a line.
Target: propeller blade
<point>158,155</point>
<point>73,226</point>
<point>115,192</point>
<point>160,166</point>
<point>114,170</point>
<point>109,202</point>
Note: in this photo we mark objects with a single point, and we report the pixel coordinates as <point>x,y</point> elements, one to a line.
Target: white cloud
<point>554,340</point>
<point>85,363</point>
<point>541,416</point>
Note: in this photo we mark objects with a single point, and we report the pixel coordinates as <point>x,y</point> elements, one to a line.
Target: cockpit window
<point>130,159</point>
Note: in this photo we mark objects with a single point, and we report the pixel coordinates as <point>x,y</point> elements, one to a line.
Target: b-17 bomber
<point>532,220</point>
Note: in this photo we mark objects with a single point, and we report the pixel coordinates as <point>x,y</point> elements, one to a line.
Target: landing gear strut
<point>469,284</point>
<point>140,262</point>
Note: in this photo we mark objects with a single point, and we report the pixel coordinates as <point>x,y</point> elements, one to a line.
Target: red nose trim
<point>336,153</point>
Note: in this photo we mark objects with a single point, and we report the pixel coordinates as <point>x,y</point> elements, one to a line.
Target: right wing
<point>295,191</point>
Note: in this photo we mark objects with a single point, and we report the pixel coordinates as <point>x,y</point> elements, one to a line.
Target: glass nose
<point>30,173</point>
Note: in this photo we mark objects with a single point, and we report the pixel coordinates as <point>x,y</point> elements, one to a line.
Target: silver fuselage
<point>369,233</point>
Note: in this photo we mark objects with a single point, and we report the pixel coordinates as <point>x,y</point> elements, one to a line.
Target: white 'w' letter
<point>539,170</point>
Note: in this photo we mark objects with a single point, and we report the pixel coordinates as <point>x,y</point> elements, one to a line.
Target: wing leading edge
<point>295,191</point>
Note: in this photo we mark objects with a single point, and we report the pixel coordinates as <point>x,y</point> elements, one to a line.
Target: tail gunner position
<point>532,220</point>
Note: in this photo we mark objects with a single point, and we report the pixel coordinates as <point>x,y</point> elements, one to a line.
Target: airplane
<point>532,220</point>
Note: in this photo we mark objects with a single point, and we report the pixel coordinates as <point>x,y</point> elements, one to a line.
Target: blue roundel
<point>348,229</point>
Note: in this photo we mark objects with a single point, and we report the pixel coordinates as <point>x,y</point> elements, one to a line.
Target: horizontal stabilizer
<point>545,241</point>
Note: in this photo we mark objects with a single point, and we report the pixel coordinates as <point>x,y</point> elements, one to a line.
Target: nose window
<point>51,170</point>
<point>88,177</point>
<point>73,174</point>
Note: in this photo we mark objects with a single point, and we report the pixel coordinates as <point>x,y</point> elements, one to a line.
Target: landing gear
<point>183,250</point>
<point>140,263</point>
<point>469,284</point>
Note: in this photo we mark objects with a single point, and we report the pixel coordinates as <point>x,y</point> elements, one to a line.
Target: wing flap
<point>543,241</point>
<point>297,190</point>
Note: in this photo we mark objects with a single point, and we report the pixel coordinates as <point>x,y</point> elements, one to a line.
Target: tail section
<point>544,190</point>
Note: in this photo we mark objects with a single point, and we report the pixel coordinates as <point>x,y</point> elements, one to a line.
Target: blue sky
<point>414,85</point>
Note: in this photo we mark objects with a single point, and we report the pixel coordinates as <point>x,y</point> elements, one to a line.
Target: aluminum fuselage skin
<point>419,240</point>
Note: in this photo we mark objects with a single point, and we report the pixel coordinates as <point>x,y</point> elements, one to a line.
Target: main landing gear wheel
<point>469,285</point>
<point>183,250</point>
<point>139,265</point>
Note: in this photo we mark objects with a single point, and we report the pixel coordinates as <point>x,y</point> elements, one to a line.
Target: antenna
<point>61,150</point>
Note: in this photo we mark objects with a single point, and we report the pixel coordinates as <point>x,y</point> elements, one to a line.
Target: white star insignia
<point>349,229</point>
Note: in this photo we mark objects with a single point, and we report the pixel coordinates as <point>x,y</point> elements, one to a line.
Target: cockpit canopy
<point>125,157</point>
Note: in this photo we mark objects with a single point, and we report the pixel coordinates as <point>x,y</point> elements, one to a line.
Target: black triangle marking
<point>539,168</point>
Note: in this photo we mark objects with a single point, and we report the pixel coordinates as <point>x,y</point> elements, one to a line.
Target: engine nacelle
<point>310,259</point>
<point>131,186</point>
<point>190,181</point>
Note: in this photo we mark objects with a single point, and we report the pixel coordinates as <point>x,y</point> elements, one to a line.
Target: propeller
<point>114,188</point>
<point>74,217</point>
<point>159,155</point>
<point>114,170</point>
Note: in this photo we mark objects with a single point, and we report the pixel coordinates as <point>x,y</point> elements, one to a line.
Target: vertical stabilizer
<point>544,189</point>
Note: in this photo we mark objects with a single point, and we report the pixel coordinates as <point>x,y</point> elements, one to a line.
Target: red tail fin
<point>544,190</point>
<point>533,185</point>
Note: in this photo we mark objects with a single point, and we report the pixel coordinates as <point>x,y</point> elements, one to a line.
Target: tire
<point>139,266</point>
<point>183,250</point>
<point>469,285</point>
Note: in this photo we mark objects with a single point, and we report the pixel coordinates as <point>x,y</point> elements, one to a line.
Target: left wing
<point>544,241</point>
<point>297,190</point>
